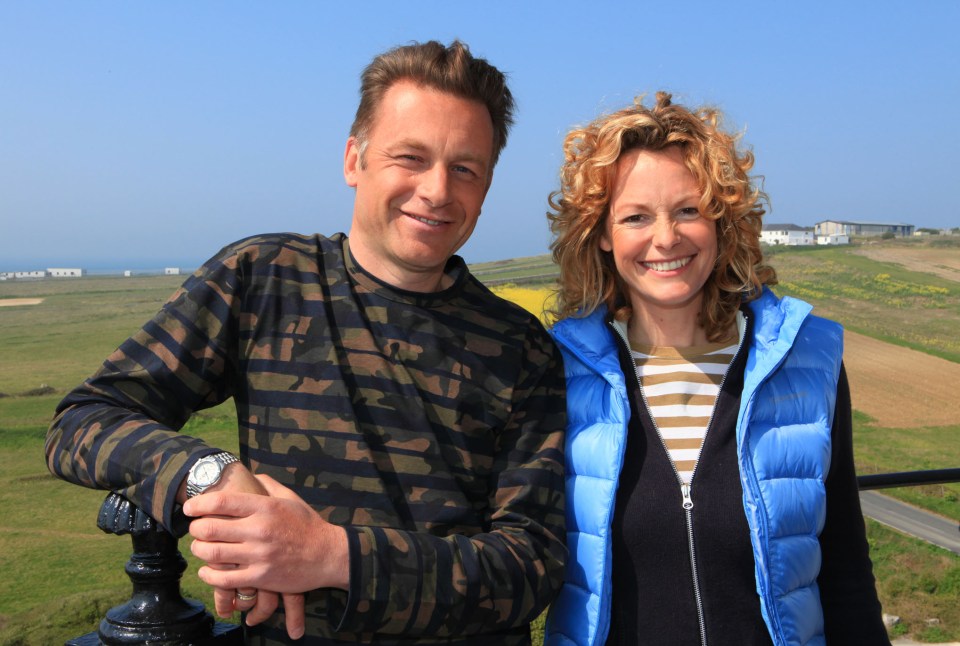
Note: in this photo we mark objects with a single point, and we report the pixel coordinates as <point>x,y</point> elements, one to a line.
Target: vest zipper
<point>686,490</point>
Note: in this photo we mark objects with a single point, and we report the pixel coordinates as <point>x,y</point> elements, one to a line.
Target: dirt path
<point>10,302</point>
<point>900,387</point>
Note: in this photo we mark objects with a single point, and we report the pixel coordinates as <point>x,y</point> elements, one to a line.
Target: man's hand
<point>237,479</point>
<point>276,543</point>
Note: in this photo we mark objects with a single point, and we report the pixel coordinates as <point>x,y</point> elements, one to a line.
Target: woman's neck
<point>659,330</point>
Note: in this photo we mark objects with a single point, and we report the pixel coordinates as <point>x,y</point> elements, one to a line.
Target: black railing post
<point>156,612</point>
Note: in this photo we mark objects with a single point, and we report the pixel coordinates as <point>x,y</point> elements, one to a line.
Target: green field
<point>61,573</point>
<point>531,270</point>
<point>883,300</point>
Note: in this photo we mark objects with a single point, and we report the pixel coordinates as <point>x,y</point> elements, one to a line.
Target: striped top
<point>680,386</point>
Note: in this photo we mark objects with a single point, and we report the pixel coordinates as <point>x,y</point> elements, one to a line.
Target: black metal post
<point>156,612</point>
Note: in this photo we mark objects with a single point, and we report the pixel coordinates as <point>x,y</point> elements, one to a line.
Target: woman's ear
<point>605,243</point>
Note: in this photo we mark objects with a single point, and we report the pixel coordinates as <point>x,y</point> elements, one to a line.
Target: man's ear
<point>351,162</point>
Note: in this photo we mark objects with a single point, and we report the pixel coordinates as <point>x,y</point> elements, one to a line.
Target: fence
<point>907,479</point>
<point>157,613</point>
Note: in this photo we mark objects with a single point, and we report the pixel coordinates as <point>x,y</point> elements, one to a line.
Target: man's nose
<point>434,187</point>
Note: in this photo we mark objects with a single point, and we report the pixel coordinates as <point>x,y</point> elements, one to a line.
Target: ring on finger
<point>246,597</point>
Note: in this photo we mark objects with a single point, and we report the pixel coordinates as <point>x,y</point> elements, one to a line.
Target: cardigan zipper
<point>686,490</point>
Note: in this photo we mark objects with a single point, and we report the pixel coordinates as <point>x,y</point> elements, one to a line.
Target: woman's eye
<point>689,213</point>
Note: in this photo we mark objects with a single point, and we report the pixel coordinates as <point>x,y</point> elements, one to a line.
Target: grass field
<point>881,299</point>
<point>61,573</point>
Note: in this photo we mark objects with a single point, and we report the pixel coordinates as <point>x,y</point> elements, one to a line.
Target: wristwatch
<point>206,472</point>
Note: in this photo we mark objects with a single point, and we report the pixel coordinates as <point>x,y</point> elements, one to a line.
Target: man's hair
<point>588,275</point>
<point>451,69</point>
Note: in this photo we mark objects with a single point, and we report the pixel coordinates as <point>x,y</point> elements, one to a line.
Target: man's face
<point>426,169</point>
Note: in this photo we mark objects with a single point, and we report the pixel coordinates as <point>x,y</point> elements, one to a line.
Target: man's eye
<point>464,170</point>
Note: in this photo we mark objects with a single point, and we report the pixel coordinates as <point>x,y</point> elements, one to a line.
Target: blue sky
<point>140,135</point>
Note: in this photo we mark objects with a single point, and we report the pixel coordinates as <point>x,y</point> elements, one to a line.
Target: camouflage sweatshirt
<point>430,426</point>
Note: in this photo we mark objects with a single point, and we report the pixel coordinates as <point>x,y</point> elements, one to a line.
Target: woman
<point>711,491</point>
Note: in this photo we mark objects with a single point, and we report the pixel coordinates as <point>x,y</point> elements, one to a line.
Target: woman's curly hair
<point>588,276</point>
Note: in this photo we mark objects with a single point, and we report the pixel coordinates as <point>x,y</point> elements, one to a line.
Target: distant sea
<point>138,268</point>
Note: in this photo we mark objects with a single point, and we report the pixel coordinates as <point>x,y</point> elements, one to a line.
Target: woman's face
<point>664,250</point>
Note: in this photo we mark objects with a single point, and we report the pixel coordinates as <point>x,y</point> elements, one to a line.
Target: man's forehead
<point>405,97</point>
<point>412,91</point>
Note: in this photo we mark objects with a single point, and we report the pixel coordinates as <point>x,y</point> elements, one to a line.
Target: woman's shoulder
<point>584,335</point>
<point>772,310</point>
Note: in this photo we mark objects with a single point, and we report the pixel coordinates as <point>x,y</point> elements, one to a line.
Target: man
<point>405,424</point>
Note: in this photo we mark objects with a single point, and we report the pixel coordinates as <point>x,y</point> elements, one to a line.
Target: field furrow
<point>900,387</point>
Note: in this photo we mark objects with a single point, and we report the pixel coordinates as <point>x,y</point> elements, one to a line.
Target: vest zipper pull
<point>687,500</point>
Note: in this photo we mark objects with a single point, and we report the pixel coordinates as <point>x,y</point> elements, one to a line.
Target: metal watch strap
<point>223,459</point>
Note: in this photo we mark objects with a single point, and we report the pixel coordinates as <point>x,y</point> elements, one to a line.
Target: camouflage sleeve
<point>411,583</point>
<point>117,430</point>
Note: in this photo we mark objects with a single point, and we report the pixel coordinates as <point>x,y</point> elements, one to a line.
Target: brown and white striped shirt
<point>680,386</point>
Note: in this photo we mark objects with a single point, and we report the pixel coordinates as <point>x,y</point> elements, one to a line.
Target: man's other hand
<point>237,479</point>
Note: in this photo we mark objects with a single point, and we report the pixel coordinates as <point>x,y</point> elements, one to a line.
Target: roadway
<point>915,522</point>
<point>910,520</point>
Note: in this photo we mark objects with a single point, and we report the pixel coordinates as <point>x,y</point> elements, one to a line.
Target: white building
<point>171,271</point>
<point>40,273</point>
<point>834,238</point>
<point>65,272</point>
<point>786,234</point>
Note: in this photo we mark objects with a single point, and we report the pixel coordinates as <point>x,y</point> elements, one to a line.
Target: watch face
<point>206,472</point>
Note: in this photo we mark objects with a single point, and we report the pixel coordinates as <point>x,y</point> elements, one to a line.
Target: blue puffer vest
<point>783,440</point>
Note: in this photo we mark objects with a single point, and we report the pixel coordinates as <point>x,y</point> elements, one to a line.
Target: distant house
<point>40,273</point>
<point>786,234</point>
<point>63,272</point>
<point>834,238</point>
<point>850,228</point>
<point>171,271</point>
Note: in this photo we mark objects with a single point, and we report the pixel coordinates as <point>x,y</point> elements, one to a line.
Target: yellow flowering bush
<point>534,300</point>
